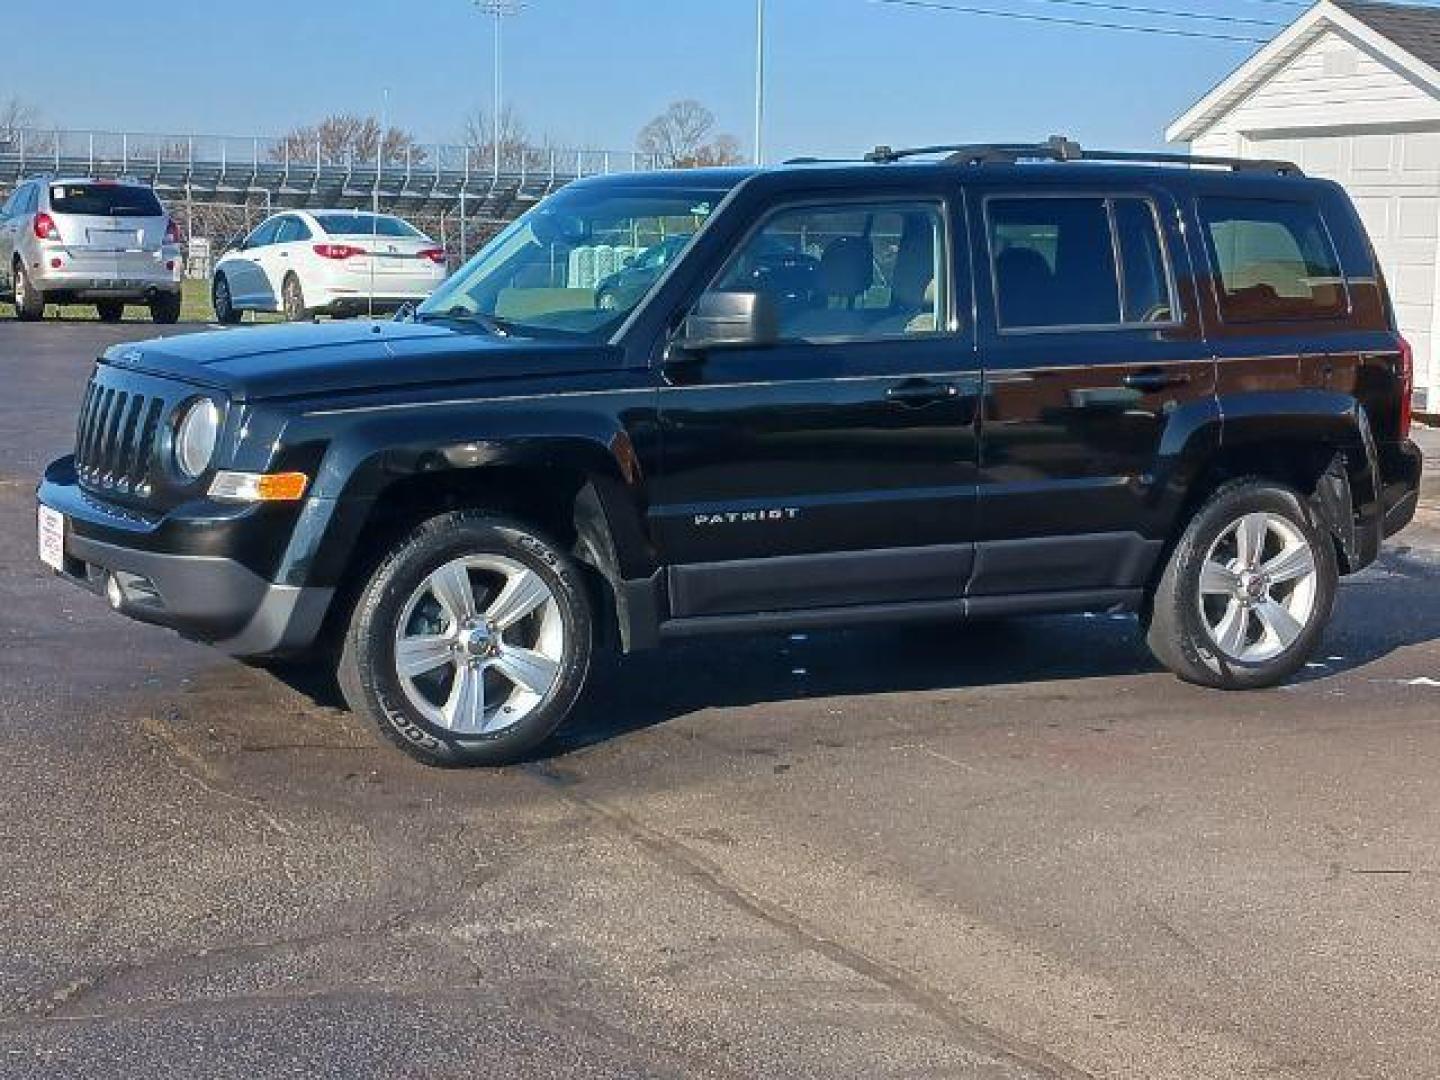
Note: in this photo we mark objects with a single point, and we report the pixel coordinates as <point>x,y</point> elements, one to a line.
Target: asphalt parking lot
<point>1016,850</point>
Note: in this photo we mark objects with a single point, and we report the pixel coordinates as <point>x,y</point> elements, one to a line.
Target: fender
<point>373,452</point>
<point>1348,496</point>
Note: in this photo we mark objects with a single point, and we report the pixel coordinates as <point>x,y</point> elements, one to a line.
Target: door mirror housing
<point>731,319</point>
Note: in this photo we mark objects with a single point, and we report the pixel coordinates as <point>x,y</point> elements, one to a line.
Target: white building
<point>1351,91</point>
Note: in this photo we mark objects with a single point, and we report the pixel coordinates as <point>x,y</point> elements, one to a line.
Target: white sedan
<point>334,262</point>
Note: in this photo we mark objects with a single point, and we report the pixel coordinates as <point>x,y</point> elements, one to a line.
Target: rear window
<point>104,200</point>
<point>366,225</point>
<point>1274,260</point>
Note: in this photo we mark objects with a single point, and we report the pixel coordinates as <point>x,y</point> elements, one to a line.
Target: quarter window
<point>1078,262</point>
<point>1274,261</point>
<point>848,271</point>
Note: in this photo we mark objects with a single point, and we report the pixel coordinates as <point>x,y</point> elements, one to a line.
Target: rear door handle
<point>922,392</point>
<point>1151,381</point>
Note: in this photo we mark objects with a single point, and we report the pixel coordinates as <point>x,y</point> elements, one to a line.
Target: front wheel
<point>470,643</point>
<point>226,313</point>
<point>1247,591</point>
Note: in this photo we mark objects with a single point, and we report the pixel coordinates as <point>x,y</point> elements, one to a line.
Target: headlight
<point>196,436</point>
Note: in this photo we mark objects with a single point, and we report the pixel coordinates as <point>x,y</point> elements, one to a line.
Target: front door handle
<point>922,392</point>
<point>1151,381</point>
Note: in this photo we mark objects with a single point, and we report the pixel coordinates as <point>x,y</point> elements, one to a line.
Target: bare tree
<point>683,137</point>
<point>343,138</point>
<point>517,146</point>
<point>16,113</point>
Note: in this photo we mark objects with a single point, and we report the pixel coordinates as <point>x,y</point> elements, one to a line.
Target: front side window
<point>1274,260</point>
<point>290,230</point>
<point>264,234</point>
<point>556,271</point>
<point>847,271</point>
<point>1076,262</point>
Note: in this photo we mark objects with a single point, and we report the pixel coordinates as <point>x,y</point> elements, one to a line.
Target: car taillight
<point>435,255</point>
<point>45,227</point>
<point>337,251</point>
<point>1407,386</point>
<point>172,233</point>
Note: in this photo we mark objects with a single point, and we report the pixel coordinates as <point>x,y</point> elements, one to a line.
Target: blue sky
<point>844,74</point>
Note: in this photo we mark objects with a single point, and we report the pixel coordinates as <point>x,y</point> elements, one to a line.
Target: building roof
<point>1414,29</point>
<point>1404,34</point>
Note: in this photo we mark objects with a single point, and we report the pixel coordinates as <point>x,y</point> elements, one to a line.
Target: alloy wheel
<point>479,644</point>
<point>1258,587</point>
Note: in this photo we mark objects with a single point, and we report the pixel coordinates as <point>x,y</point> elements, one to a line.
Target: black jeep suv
<point>958,382</point>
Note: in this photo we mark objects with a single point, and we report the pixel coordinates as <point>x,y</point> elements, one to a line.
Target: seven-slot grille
<point>115,443</point>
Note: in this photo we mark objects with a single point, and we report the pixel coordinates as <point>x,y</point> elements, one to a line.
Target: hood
<point>308,360</point>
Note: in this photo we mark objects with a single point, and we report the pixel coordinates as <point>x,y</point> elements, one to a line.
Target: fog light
<point>258,487</point>
<point>113,593</point>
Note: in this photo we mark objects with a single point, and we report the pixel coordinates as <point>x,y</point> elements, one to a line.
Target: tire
<point>220,299</point>
<point>1229,612</point>
<point>110,310</point>
<point>29,302</point>
<point>165,308</point>
<point>292,301</point>
<point>506,565</point>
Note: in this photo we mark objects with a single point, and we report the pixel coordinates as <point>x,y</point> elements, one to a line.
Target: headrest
<point>847,266</point>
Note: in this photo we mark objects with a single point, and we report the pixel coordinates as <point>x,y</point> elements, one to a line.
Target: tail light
<point>435,255</point>
<point>172,232</point>
<point>1407,386</point>
<point>337,251</point>
<point>45,228</point>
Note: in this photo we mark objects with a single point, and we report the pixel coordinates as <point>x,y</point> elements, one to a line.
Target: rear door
<point>836,466</point>
<point>285,253</point>
<point>1093,361</point>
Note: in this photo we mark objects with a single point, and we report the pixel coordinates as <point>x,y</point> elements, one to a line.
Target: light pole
<point>759,82</point>
<point>499,10</point>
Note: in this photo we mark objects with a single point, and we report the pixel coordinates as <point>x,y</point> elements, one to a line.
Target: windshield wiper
<point>498,327</point>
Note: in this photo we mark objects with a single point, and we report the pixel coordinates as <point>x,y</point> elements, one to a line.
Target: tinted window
<point>847,271</point>
<point>1054,262</point>
<point>1144,274</point>
<point>1273,260</point>
<point>290,230</point>
<point>263,235</point>
<point>365,225</point>
<point>104,200</point>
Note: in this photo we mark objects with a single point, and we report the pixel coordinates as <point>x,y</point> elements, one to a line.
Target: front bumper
<point>212,598</point>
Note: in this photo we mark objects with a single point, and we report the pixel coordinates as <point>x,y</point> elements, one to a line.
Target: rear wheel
<point>1248,590</point>
<point>165,307</point>
<point>292,300</point>
<point>29,302</point>
<point>110,310</point>
<point>223,302</point>
<point>470,643</point>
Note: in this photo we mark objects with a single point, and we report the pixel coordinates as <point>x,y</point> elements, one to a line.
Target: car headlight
<point>196,436</point>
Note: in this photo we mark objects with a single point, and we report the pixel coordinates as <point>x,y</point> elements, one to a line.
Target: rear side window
<point>1274,260</point>
<point>104,200</point>
<point>366,225</point>
<point>1078,262</point>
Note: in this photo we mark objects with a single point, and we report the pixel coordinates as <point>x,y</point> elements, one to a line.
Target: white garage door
<point>1394,179</point>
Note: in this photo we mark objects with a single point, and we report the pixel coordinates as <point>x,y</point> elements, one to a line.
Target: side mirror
<point>730,319</point>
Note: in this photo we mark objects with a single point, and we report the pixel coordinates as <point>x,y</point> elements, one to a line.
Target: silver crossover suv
<point>106,242</point>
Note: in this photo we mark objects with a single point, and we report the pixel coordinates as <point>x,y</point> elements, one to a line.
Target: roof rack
<point>1058,148</point>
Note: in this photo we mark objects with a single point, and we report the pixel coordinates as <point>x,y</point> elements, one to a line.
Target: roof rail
<point>1058,148</point>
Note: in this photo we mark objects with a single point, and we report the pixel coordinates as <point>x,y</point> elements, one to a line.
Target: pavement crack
<point>675,855</point>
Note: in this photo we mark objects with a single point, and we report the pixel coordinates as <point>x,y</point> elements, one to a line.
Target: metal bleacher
<point>475,182</point>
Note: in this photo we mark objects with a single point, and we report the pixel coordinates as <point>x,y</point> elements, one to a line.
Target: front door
<point>835,466</point>
<point>1095,369</point>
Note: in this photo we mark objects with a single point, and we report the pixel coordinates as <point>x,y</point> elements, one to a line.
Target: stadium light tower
<point>759,82</point>
<point>499,10</point>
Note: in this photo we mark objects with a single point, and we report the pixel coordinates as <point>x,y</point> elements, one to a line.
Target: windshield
<point>365,225</point>
<point>558,269</point>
